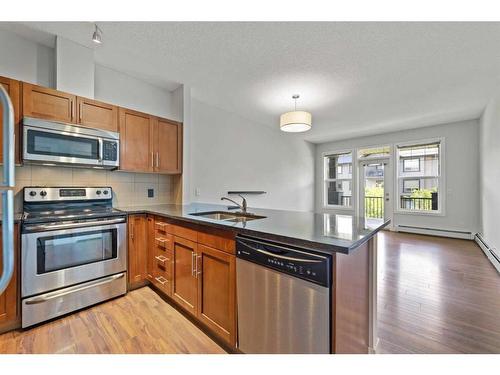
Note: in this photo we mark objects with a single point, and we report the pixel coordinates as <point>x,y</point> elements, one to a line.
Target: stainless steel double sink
<point>235,217</point>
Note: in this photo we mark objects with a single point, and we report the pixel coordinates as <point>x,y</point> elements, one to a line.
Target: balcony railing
<point>422,204</point>
<point>374,207</point>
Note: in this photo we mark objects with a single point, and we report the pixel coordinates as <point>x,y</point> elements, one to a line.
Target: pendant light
<point>97,36</point>
<point>295,121</point>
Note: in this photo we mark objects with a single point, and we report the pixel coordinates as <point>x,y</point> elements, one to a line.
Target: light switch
<point>197,192</point>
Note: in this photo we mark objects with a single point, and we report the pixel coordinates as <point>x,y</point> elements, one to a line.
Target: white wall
<point>461,163</point>
<point>489,142</point>
<point>74,68</point>
<point>124,90</point>
<point>231,153</point>
<point>25,60</point>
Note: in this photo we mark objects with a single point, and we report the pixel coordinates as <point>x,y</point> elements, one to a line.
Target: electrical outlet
<point>151,193</point>
<point>197,192</point>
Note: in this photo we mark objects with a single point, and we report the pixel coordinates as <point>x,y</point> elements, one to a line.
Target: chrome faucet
<point>242,206</point>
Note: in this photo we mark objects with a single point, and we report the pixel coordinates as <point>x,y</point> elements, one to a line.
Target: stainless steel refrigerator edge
<point>7,191</point>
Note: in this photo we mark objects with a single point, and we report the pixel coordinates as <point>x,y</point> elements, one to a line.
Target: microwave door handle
<point>6,190</point>
<point>101,152</point>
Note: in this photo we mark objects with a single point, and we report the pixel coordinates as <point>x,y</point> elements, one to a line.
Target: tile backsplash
<point>129,189</point>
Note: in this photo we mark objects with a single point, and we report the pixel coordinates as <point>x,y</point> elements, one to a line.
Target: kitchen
<point>162,201</point>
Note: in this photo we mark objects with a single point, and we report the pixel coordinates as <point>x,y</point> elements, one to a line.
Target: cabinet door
<point>49,104</point>
<point>184,283</point>
<point>136,135</point>
<point>137,249</point>
<point>13,89</point>
<point>96,114</point>
<point>168,146</point>
<point>9,298</point>
<point>217,292</point>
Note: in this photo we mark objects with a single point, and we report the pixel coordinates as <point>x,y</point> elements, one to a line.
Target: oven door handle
<point>93,223</point>
<point>48,296</point>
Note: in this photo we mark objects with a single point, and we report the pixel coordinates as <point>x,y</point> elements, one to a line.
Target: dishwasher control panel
<point>300,263</point>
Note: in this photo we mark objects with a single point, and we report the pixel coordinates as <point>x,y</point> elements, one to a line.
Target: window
<point>338,179</point>
<point>419,177</point>
<point>410,185</point>
<point>411,165</point>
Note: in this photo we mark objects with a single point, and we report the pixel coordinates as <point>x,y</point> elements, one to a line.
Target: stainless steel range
<point>73,250</point>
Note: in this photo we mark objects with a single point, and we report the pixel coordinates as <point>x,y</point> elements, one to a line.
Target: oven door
<point>63,254</point>
<point>61,146</point>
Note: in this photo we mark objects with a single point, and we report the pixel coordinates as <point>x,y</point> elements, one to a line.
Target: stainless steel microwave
<point>49,142</point>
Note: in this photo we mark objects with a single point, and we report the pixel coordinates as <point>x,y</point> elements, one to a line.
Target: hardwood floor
<point>436,295</point>
<point>140,322</point>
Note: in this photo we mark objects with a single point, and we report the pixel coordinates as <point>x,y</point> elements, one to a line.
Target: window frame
<point>327,180</point>
<point>441,177</point>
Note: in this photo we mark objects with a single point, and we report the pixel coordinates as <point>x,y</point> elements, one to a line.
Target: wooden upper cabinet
<point>168,146</point>
<point>216,273</point>
<point>13,89</point>
<point>184,282</point>
<point>137,249</point>
<point>48,104</point>
<point>95,114</point>
<point>9,299</point>
<point>136,136</point>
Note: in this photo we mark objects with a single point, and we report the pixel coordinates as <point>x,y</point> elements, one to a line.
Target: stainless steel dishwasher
<point>284,298</point>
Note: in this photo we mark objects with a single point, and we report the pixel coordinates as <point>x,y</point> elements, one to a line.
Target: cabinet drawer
<point>189,233</point>
<point>162,227</point>
<point>162,283</point>
<point>218,239</point>
<point>163,265</point>
<point>164,241</point>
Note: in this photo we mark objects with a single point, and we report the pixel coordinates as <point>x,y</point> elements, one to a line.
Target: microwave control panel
<point>110,150</point>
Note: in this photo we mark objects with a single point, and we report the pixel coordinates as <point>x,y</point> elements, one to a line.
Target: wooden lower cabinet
<point>9,299</point>
<point>137,250</point>
<point>184,282</point>
<point>216,273</point>
<point>197,270</point>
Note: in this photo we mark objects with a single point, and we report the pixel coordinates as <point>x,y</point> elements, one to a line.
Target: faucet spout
<point>242,206</point>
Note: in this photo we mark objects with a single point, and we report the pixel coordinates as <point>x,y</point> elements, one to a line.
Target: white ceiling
<point>356,78</point>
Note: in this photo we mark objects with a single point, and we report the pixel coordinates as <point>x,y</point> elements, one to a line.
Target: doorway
<point>375,202</point>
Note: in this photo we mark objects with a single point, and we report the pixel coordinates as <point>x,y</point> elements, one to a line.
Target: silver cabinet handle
<point>6,190</point>
<point>161,258</point>
<point>80,110</point>
<point>192,263</point>
<point>161,280</point>
<point>157,159</point>
<point>152,160</point>
<point>198,273</point>
<point>48,296</point>
<point>72,110</point>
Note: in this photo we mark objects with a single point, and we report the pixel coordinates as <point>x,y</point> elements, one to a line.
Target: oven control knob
<point>98,192</point>
<point>32,193</point>
<point>43,193</point>
<point>105,192</point>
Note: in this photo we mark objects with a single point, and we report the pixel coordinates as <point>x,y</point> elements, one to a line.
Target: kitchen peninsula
<point>164,240</point>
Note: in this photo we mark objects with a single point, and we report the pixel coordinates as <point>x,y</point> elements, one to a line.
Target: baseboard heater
<point>436,232</point>
<point>488,251</point>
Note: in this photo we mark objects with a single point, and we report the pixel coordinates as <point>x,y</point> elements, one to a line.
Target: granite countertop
<point>322,232</point>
